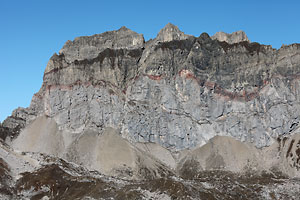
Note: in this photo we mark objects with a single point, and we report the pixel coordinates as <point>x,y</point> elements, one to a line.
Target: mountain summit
<point>170,32</point>
<point>235,37</point>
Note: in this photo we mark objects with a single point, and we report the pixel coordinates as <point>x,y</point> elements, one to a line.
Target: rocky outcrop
<point>170,33</point>
<point>235,37</point>
<point>171,110</point>
<point>176,90</point>
<point>12,125</point>
<point>89,48</point>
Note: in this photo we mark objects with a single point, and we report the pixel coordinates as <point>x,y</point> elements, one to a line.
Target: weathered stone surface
<point>176,90</point>
<point>169,33</point>
<point>89,47</point>
<point>193,111</point>
<point>235,37</point>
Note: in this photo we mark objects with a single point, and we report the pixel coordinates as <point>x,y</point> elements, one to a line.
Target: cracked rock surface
<point>176,90</point>
<point>199,115</point>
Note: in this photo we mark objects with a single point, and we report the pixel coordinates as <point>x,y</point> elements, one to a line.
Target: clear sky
<point>32,30</point>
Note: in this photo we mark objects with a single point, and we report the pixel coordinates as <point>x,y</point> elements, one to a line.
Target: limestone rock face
<point>89,47</point>
<point>188,117</point>
<point>170,32</point>
<point>235,37</point>
<point>176,90</point>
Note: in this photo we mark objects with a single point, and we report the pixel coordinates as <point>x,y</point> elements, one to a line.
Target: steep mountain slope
<point>176,90</point>
<point>171,117</point>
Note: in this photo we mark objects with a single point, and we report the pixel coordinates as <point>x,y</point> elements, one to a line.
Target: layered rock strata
<point>175,117</point>
<point>176,90</point>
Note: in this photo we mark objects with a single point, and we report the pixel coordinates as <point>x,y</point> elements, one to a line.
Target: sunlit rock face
<point>235,37</point>
<point>175,117</point>
<point>176,90</point>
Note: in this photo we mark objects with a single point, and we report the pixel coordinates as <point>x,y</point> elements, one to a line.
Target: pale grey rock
<point>184,102</point>
<point>235,37</point>
<point>176,90</point>
<point>89,47</point>
<point>170,32</point>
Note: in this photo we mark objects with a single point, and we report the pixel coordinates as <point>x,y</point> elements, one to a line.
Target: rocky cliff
<point>176,105</point>
<point>175,90</point>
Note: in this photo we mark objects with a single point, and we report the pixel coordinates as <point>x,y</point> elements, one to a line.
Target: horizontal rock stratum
<point>176,90</point>
<point>174,106</point>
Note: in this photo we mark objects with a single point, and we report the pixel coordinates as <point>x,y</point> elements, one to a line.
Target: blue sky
<point>32,30</point>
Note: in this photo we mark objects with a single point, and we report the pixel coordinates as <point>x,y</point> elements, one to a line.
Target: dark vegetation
<point>53,181</point>
<point>176,44</point>
<point>252,48</point>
